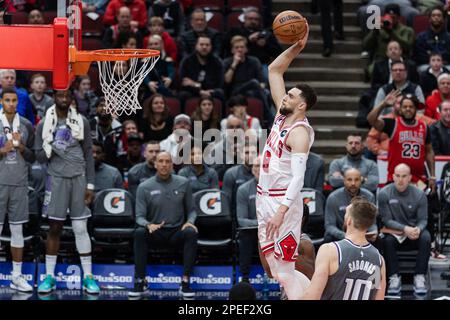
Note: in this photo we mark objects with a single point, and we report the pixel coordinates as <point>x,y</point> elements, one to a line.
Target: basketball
<point>289,27</point>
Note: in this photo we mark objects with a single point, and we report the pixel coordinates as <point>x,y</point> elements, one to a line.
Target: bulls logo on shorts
<point>288,246</point>
<point>266,161</point>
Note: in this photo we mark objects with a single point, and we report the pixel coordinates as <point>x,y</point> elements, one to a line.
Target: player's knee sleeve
<point>16,235</point>
<point>82,240</point>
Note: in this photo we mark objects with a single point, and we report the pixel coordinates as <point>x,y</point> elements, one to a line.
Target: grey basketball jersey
<point>358,275</point>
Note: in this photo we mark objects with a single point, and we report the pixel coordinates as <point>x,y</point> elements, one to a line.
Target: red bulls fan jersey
<point>275,174</point>
<point>407,145</point>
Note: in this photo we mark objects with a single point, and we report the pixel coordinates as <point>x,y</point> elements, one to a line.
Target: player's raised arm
<point>279,66</point>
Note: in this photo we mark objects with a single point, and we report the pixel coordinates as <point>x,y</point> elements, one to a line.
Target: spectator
<point>162,75</point>
<point>41,101</point>
<point>133,157</point>
<point>376,41</point>
<point>201,72</point>
<point>407,10</point>
<point>409,138</point>
<point>129,127</point>
<point>242,291</point>
<point>156,27</point>
<point>440,131</point>
<point>25,107</point>
<point>428,78</point>
<point>262,44</point>
<point>106,176</point>
<point>237,175</point>
<point>226,152</point>
<point>378,142</point>
<point>437,96</point>
<point>165,216</point>
<point>206,114</point>
<point>382,75</point>
<point>126,40</point>
<point>243,75</point>
<point>325,23</point>
<point>156,123</point>
<point>175,143</point>
<point>404,209</point>
<point>123,28</point>
<point>400,81</point>
<point>108,131</point>
<point>97,6</point>
<point>85,97</point>
<point>434,39</point>
<point>171,12</point>
<point>136,8</point>
<point>36,17</point>
<point>354,159</point>
<point>237,107</point>
<point>200,176</point>
<point>145,170</point>
<point>338,200</point>
<point>315,172</point>
<point>188,39</point>
<point>247,222</point>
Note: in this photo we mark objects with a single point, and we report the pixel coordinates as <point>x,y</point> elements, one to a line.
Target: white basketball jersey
<point>275,174</point>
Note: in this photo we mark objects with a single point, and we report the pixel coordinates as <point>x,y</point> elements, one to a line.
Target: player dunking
<point>279,205</point>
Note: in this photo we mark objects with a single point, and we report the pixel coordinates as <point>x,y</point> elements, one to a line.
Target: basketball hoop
<point>119,86</point>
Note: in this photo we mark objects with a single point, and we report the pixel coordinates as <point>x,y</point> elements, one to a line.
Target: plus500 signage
<point>28,270</point>
<point>160,277</point>
<point>256,278</point>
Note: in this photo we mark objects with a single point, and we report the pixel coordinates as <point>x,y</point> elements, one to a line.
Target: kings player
<point>279,203</point>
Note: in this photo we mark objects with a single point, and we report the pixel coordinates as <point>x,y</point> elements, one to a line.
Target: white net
<point>120,81</point>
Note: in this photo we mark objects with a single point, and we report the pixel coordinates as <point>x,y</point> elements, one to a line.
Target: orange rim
<point>111,54</point>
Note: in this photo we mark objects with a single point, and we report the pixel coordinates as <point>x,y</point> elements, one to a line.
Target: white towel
<point>7,126</point>
<point>74,121</point>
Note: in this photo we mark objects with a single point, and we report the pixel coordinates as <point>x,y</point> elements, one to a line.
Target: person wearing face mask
<point>354,159</point>
<point>337,202</point>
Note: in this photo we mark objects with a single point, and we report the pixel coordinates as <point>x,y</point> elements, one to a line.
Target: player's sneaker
<point>48,285</point>
<point>140,287</point>
<point>420,286</point>
<point>186,291</point>
<point>90,286</point>
<point>395,284</point>
<point>20,284</point>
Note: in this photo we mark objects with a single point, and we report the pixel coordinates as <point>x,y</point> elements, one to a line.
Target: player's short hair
<point>363,213</point>
<point>308,94</point>
<point>8,90</point>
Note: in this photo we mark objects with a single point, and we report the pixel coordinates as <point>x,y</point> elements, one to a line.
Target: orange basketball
<point>289,27</point>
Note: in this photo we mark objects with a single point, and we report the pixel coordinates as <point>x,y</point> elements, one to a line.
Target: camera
<point>387,21</point>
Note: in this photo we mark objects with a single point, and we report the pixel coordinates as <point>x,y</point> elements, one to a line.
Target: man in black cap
<point>376,41</point>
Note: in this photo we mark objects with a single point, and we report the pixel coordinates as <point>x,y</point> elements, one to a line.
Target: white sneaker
<point>420,286</point>
<point>19,283</point>
<point>395,284</point>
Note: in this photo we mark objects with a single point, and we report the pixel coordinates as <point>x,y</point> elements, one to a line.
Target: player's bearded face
<point>286,109</point>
